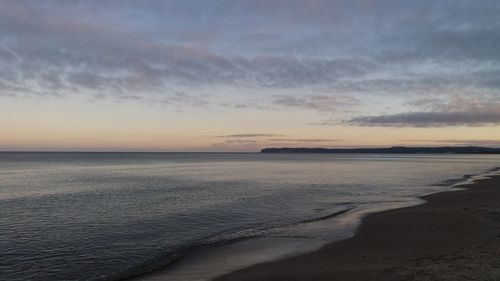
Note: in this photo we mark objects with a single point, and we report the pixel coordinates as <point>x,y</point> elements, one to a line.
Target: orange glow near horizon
<point>76,126</point>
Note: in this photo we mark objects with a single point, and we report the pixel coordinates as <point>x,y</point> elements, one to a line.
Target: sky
<point>241,75</point>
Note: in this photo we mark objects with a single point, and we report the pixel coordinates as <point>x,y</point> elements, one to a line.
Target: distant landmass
<point>397,149</point>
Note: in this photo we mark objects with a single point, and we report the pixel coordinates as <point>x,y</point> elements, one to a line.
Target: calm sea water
<point>104,216</point>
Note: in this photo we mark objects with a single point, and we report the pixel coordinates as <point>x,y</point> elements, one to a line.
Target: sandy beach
<point>454,236</point>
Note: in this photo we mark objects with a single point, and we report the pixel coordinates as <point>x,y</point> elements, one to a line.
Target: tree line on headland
<point>397,149</point>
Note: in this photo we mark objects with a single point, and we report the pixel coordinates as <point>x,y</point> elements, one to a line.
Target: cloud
<point>249,135</point>
<point>177,99</point>
<point>47,49</point>
<point>428,119</point>
<point>316,102</point>
<point>439,111</point>
<point>123,52</point>
<point>304,140</point>
<point>237,141</point>
<point>459,103</point>
<point>150,51</point>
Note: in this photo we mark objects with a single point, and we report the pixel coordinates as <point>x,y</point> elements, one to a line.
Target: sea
<point>194,216</point>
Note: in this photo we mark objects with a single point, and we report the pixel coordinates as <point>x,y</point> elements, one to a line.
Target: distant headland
<point>396,149</point>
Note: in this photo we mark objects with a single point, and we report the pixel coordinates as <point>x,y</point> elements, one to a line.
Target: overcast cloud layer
<point>439,61</point>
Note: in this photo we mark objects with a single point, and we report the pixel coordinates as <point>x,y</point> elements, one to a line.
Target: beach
<point>453,236</point>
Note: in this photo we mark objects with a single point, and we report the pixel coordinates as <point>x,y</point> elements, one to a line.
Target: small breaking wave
<point>169,257</point>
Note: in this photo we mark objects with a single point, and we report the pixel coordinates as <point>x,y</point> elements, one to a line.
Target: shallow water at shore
<point>103,216</point>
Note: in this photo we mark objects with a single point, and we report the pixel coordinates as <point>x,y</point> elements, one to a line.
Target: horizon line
<point>235,152</point>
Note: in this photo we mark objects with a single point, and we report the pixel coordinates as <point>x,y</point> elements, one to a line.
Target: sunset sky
<point>243,75</point>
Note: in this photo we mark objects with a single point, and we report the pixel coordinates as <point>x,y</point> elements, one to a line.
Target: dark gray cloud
<point>429,119</point>
<point>438,111</point>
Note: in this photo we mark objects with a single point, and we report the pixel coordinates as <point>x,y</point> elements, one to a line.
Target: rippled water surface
<point>100,216</point>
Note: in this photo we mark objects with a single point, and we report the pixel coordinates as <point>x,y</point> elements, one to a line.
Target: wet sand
<point>454,236</point>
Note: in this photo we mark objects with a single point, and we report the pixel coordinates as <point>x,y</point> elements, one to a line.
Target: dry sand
<point>454,236</point>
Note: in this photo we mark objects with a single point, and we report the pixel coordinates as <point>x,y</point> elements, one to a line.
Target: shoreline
<point>452,236</point>
<point>234,257</point>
